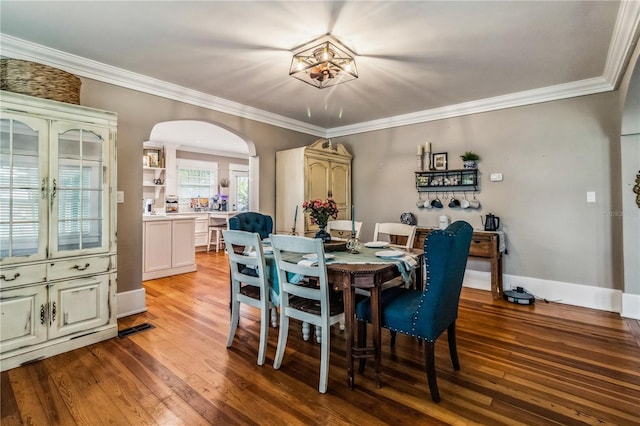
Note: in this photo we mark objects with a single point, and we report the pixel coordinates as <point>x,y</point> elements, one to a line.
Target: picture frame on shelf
<point>440,161</point>
<point>145,161</point>
<point>154,157</point>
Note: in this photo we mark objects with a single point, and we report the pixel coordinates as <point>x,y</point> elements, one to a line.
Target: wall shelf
<point>447,180</point>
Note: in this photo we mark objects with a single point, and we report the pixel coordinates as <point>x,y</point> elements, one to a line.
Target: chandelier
<point>323,62</point>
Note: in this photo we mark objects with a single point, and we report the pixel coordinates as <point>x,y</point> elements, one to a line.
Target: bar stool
<point>217,228</point>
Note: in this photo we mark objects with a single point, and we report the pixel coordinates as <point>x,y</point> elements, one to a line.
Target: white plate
<point>376,244</point>
<point>389,253</point>
<point>313,256</point>
<point>267,250</point>
<point>266,242</point>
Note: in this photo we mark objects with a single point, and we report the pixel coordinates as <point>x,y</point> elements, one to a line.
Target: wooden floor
<point>533,365</point>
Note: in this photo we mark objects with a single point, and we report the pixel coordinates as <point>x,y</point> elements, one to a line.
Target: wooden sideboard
<point>484,246</point>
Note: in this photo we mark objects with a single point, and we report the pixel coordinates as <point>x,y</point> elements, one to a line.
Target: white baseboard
<point>630,306</point>
<point>131,302</point>
<point>603,299</point>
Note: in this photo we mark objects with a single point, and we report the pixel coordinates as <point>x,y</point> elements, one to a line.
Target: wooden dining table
<point>368,276</point>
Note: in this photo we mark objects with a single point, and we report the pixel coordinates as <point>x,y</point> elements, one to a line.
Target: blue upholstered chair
<point>427,313</point>
<point>252,222</point>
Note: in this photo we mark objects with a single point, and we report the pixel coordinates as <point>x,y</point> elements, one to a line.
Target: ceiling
<point>417,60</point>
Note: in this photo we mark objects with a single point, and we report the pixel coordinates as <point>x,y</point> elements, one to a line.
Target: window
<point>196,179</point>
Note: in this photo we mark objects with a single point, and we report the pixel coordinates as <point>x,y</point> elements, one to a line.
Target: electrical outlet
<point>591,197</point>
<point>120,197</point>
<point>496,177</point>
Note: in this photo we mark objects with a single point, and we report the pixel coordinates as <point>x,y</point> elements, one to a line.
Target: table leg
<point>349,298</point>
<point>375,322</point>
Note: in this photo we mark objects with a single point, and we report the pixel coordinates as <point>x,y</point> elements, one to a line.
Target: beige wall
<point>550,155</point>
<point>137,114</point>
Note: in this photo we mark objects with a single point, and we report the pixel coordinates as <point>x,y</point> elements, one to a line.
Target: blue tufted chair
<point>252,222</point>
<point>427,313</point>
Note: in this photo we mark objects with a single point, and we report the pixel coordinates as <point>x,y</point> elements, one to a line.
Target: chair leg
<point>209,240</point>
<point>392,342</point>
<point>362,342</point>
<point>453,349</point>
<point>324,358</point>
<point>264,333</point>
<point>430,366</point>
<point>235,318</point>
<point>282,339</point>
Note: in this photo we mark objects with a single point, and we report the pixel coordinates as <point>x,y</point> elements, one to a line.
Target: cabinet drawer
<point>202,225</point>
<point>79,267</point>
<point>22,275</point>
<point>481,246</point>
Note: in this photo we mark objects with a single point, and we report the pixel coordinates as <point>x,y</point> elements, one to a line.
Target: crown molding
<point>624,38</point>
<point>20,49</point>
<point>528,97</point>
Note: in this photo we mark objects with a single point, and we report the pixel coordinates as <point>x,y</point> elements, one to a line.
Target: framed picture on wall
<point>154,157</point>
<point>439,161</point>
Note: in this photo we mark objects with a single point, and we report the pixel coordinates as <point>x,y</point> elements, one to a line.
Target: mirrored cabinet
<point>57,227</point>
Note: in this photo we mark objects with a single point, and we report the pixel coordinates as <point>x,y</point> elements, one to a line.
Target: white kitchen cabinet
<point>168,246</point>
<point>58,247</point>
<point>202,231</point>
<point>319,170</point>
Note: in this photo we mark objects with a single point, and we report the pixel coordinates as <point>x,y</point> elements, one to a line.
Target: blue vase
<point>323,234</point>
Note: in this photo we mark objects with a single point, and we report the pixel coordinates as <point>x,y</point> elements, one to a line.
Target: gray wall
<point>550,155</point>
<point>137,114</point>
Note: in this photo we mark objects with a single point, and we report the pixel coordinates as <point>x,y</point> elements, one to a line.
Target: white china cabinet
<point>319,170</point>
<point>57,227</point>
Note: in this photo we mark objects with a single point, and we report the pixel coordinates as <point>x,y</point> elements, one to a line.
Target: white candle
<point>419,150</point>
<point>427,147</point>
<point>353,223</point>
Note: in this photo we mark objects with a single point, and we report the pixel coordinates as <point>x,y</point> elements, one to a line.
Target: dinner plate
<point>266,242</point>
<point>313,256</point>
<point>389,253</point>
<point>267,250</point>
<point>377,244</point>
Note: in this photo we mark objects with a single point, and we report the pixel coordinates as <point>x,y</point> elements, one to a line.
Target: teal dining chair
<point>426,314</point>
<point>308,300</point>
<point>249,284</point>
<point>252,222</point>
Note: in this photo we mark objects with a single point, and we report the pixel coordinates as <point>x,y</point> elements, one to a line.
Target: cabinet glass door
<point>23,188</point>
<point>80,201</point>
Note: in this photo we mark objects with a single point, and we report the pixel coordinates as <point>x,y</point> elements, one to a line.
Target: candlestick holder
<point>419,163</point>
<point>426,166</point>
<point>353,244</point>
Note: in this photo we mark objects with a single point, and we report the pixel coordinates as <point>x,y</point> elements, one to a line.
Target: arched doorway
<point>201,138</point>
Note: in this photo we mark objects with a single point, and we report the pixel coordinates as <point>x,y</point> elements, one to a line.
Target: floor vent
<point>126,332</point>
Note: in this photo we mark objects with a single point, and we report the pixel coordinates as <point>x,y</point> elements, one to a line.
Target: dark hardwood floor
<point>532,365</point>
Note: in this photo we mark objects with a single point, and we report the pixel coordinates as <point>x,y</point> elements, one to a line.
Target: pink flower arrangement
<point>320,211</point>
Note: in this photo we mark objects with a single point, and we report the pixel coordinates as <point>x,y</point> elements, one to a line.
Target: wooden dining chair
<point>313,303</point>
<point>249,284</point>
<point>426,314</point>
<point>391,230</point>
<point>342,228</point>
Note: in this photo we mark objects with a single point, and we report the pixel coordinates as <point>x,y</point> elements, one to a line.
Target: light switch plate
<point>496,177</point>
<point>120,197</point>
<point>591,197</point>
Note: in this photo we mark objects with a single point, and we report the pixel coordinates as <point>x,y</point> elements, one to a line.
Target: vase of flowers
<point>320,212</point>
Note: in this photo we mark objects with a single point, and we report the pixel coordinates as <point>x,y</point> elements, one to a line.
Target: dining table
<point>366,269</point>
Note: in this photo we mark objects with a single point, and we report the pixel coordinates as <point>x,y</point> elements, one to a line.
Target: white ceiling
<point>417,60</point>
